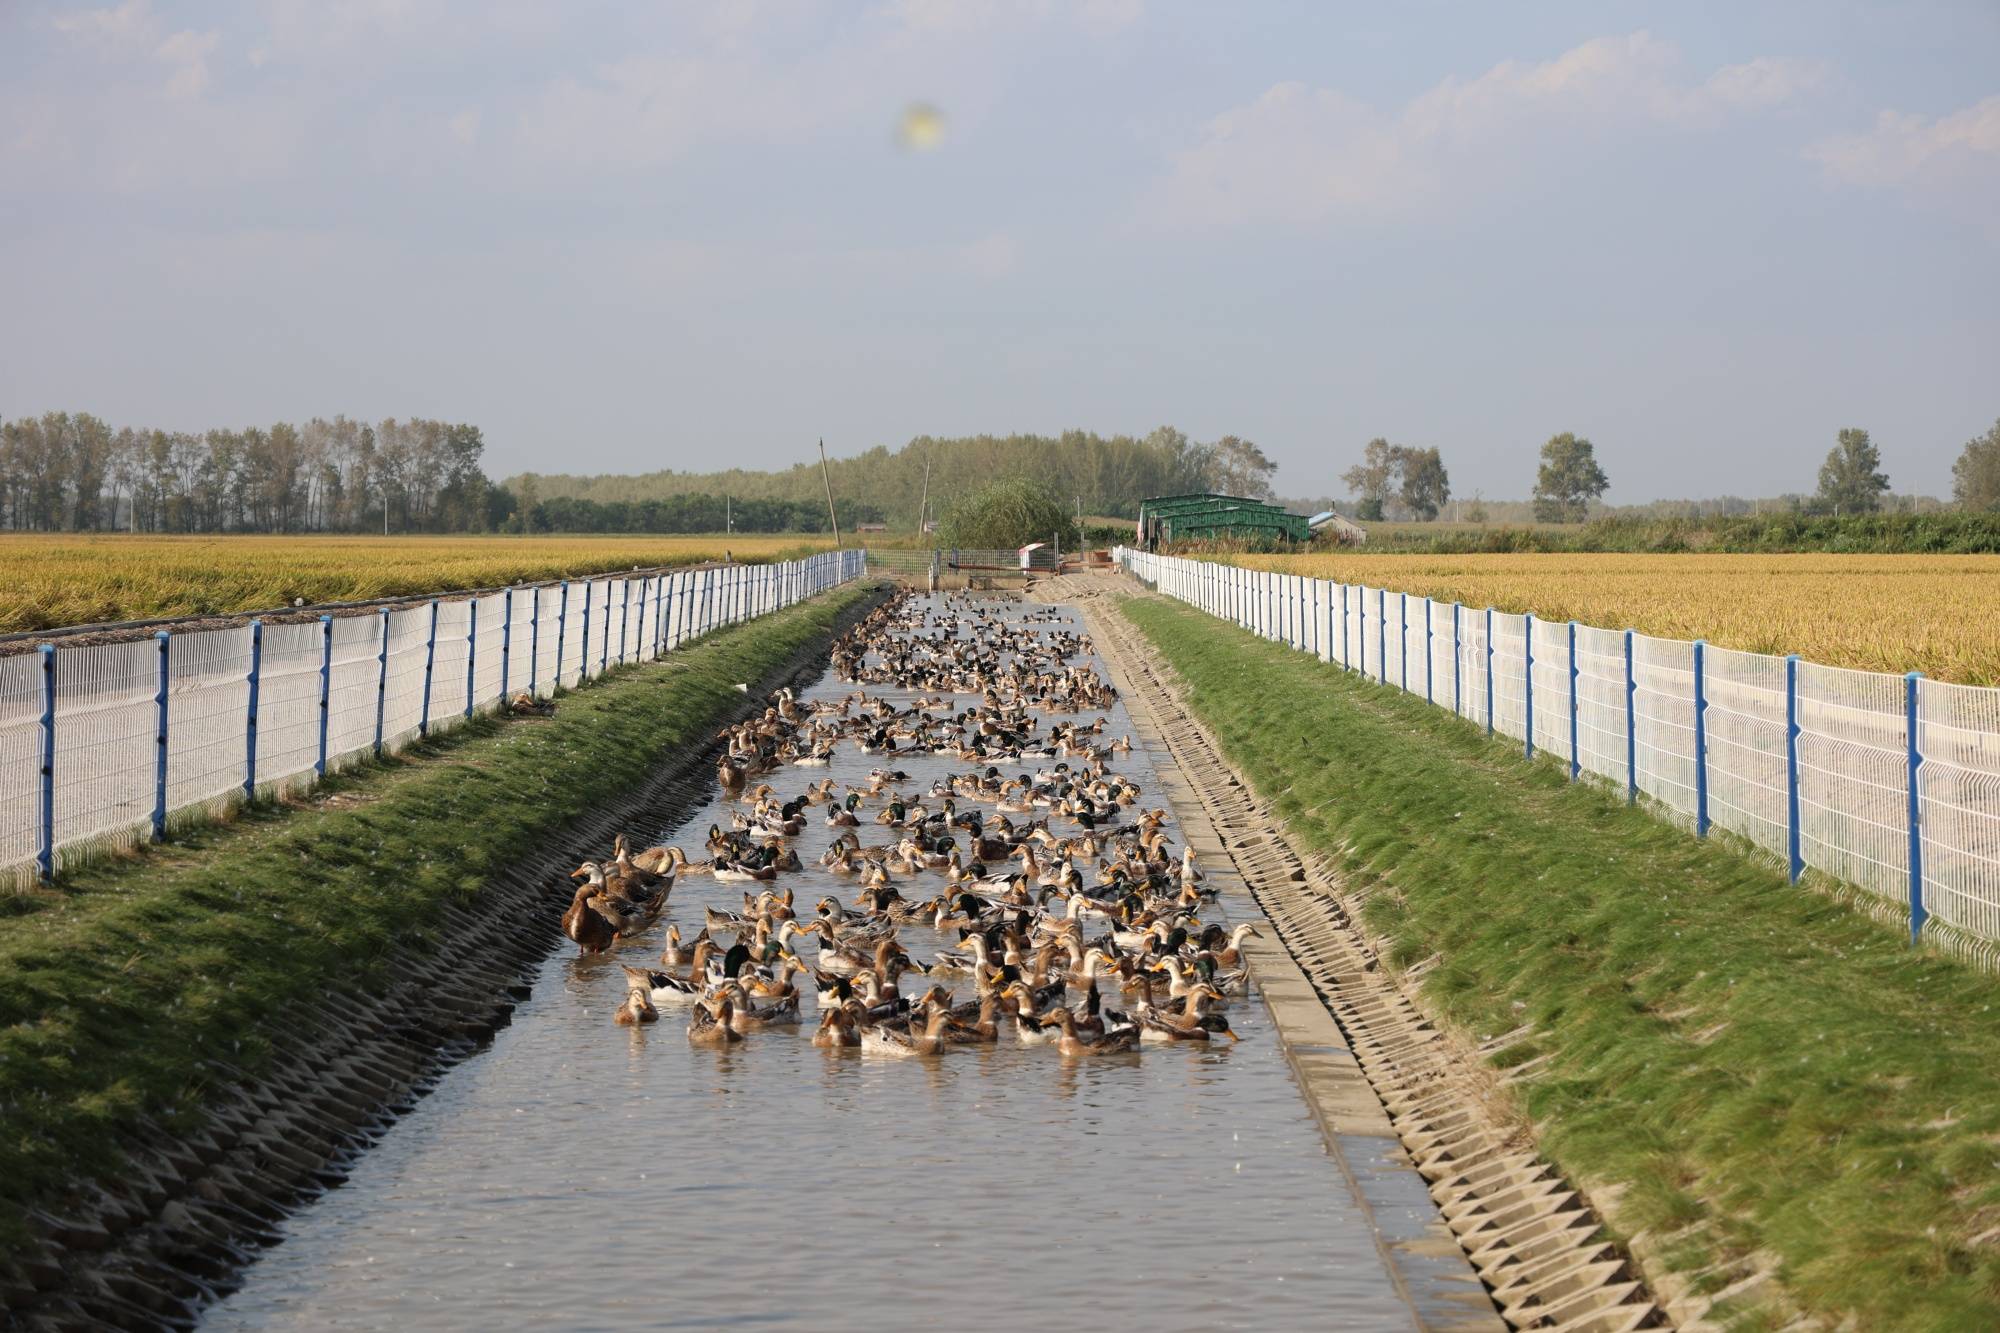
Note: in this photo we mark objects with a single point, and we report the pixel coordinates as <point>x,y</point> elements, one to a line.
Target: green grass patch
<point>1758,1066</point>
<point>128,987</point>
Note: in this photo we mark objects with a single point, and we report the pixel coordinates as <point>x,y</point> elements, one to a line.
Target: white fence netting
<point>325,691</point>
<point>1812,764</point>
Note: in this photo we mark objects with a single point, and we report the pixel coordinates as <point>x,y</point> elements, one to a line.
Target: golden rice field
<point>52,580</point>
<point>1938,614</point>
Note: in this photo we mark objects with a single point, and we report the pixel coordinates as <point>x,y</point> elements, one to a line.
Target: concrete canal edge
<point>1480,1231</point>
<point>193,1210</point>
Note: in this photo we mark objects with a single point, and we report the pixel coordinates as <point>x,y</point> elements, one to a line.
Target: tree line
<point>675,513</point>
<point>1569,480</point>
<point>71,472</point>
<point>1107,475</point>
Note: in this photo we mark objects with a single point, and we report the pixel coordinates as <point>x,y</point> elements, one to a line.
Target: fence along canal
<point>1887,783</point>
<point>110,744</point>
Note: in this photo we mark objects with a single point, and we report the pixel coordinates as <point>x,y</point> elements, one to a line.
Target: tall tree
<point>1851,480</point>
<point>1369,481</point>
<point>1426,488</point>
<point>1240,468</point>
<point>1975,477</point>
<point>1568,480</point>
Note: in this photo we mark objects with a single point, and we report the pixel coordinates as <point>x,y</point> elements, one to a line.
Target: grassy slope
<point>1725,1050</point>
<point>118,986</point>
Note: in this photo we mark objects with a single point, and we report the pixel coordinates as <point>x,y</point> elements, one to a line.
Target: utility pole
<point>924,509</point>
<point>728,514</point>
<point>827,477</point>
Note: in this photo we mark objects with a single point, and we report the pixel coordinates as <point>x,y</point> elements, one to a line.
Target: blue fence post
<point>534,638</point>
<point>1489,671</point>
<point>562,631</point>
<point>1403,640</point>
<point>160,739</point>
<point>1346,634</point>
<point>381,682</point>
<point>1918,912</point>
<point>1430,656</point>
<point>583,658</point>
<point>471,647</point>
<point>1457,664</point>
<point>604,649</point>
<point>325,689</point>
<point>1796,861</point>
<point>430,662</point>
<point>1528,683</point>
<point>506,640</point>
<point>1575,761</point>
<point>1631,727</point>
<point>1700,740</point>
<point>250,714</point>
<point>45,845</point>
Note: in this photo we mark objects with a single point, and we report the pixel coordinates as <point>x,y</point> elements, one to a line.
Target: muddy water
<point>579,1175</point>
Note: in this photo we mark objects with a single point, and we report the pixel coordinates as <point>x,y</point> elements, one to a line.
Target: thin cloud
<point>1299,155</point>
<point>1909,151</point>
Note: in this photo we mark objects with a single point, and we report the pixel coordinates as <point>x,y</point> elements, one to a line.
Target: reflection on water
<point>580,1175</point>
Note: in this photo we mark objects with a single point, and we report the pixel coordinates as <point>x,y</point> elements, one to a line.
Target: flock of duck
<point>1050,893</point>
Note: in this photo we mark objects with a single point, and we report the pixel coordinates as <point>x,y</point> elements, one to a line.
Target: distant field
<point>1936,614</point>
<point>48,581</point>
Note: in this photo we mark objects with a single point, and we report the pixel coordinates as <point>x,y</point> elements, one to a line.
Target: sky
<point>623,237</point>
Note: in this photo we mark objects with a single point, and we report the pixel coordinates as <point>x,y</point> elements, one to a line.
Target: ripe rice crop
<point>1936,614</point>
<point>48,580</point>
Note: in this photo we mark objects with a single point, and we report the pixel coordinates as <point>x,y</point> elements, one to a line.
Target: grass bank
<point>1730,1064</point>
<point>126,987</point>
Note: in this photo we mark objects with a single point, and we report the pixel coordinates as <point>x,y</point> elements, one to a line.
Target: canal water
<point>580,1175</point>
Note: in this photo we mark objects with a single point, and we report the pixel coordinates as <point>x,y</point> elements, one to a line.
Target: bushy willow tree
<point>1005,514</point>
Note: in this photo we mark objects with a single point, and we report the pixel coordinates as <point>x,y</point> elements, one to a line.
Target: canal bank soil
<point>174,1208</point>
<point>579,1174</point>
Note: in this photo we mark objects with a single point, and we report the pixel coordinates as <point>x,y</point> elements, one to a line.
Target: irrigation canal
<point>578,1174</point>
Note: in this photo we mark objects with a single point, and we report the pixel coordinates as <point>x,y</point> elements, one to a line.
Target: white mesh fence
<point>330,692</point>
<point>106,738</point>
<point>1812,764</point>
<point>1854,777</point>
<point>20,758</point>
<point>1510,685</point>
<point>1600,703</point>
<point>1745,728</point>
<point>1472,664</point>
<point>1663,722</point>
<point>1958,734</point>
<point>288,681</point>
<point>353,692</point>
<point>1552,698</point>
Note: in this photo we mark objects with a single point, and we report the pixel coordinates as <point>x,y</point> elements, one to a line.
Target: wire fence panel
<point>106,742</point>
<point>1748,790</point>
<point>1510,661</point>
<point>403,699</point>
<point>1600,703</point>
<point>543,634</point>
<point>1472,664</point>
<point>1416,645</point>
<point>1551,669</point>
<point>264,706</point>
<point>1391,639</point>
<point>1854,777</point>
<point>1958,733</point>
<point>208,695</point>
<point>1815,764</point>
<point>288,679</point>
<point>20,759</point>
<point>448,669</point>
<point>1663,722</point>
<point>352,695</point>
<point>1442,668</point>
<point>487,648</point>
